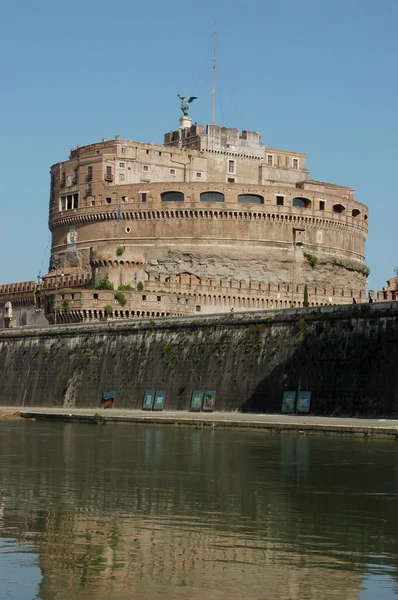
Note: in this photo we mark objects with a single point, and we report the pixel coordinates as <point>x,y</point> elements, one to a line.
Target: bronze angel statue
<point>185,102</point>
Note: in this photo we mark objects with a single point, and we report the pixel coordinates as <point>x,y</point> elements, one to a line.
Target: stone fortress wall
<point>213,216</point>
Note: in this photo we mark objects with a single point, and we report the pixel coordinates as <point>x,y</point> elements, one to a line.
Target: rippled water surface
<point>122,511</point>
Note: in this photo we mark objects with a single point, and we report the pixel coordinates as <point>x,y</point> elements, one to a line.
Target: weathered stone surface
<point>346,356</point>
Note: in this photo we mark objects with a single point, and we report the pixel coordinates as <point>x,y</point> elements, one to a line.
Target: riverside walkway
<point>275,423</point>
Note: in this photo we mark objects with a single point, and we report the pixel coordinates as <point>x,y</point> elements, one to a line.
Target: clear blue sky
<point>317,76</point>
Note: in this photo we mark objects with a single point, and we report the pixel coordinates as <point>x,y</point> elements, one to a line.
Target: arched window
<point>338,208</point>
<point>301,202</point>
<point>212,197</point>
<point>250,199</point>
<point>172,197</point>
<point>356,212</point>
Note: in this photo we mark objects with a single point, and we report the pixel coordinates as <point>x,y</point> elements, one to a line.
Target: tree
<point>305,303</point>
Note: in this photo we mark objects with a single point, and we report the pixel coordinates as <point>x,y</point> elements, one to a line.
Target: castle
<point>210,221</point>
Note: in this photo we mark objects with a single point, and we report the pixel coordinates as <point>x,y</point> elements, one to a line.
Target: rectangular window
<point>172,171</point>
<point>123,150</point>
<point>144,298</point>
<point>143,196</point>
<point>159,298</point>
<point>63,179</point>
<point>295,163</point>
<point>89,190</point>
<point>231,180</point>
<point>121,176</point>
<point>198,175</point>
<point>69,202</point>
<point>75,176</point>
<point>321,205</point>
<point>108,174</point>
<point>145,168</point>
<point>231,166</point>
<point>279,200</point>
<point>89,173</point>
<point>270,160</point>
<point>95,296</point>
<point>122,165</point>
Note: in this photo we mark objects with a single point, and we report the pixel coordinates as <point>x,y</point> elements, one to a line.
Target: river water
<point>112,512</point>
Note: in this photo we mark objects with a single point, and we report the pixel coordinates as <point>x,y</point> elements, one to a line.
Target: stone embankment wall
<point>346,356</point>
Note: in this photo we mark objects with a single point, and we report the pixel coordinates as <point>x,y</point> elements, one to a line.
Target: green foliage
<point>351,266</point>
<point>125,287</point>
<point>66,305</point>
<point>312,259</point>
<point>104,284</point>
<point>140,286</point>
<point>305,303</point>
<point>303,325</point>
<point>97,419</point>
<point>108,310</point>
<point>119,251</point>
<point>121,298</point>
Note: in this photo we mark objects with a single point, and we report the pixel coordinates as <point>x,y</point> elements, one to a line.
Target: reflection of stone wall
<point>345,355</point>
<point>148,512</point>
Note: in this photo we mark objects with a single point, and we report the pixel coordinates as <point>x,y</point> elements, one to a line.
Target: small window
<point>63,180</point>
<point>231,166</point>
<point>280,200</point>
<point>145,168</point>
<point>89,173</point>
<point>250,199</point>
<point>160,154</point>
<point>123,150</point>
<point>121,176</point>
<point>143,196</point>
<point>95,296</point>
<point>108,174</point>
<point>321,205</point>
<point>144,298</point>
<point>122,165</point>
<point>356,212</point>
<point>338,208</point>
<point>301,203</point>
<point>172,197</point>
<point>198,175</point>
<point>172,171</point>
<point>231,180</point>
<point>295,163</point>
<point>108,200</point>
<point>270,160</point>
<point>147,151</point>
<point>212,197</point>
<point>197,308</point>
<point>128,230</point>
<point>158,298</point>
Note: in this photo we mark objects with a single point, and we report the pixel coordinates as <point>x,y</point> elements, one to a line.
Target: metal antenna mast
<point>213,89</point>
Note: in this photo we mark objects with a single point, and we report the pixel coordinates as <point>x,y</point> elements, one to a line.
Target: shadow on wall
<point>349,366</point>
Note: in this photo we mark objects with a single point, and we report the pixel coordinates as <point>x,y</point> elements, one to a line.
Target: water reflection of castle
<point>187,514</point>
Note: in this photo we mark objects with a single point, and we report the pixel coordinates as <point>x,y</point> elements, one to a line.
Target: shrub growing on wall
<point>121,298</point>
<point>104,284</point>
<point>119,251</point>
<point>140,286</point>
<point>108,310</point>
<point>305,303</point>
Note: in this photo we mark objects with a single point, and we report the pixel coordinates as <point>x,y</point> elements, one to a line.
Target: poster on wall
<point>159,400</point>
<point>209,400</point>
<point>197,400</point>
<point>149,397</point>
<point>303,402</point>
<point>288,402</point>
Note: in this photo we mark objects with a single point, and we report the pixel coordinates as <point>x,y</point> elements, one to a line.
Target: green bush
<point>108,310</point>
<point>104,284</point>
<point>311,259</point>
<point>140,286</point>
<point>121,298</point>
<point>125,287</point>
<point>66,305</point>
<point>119,251</point>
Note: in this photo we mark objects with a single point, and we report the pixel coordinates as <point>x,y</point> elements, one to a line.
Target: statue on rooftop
<point>185,102</point>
